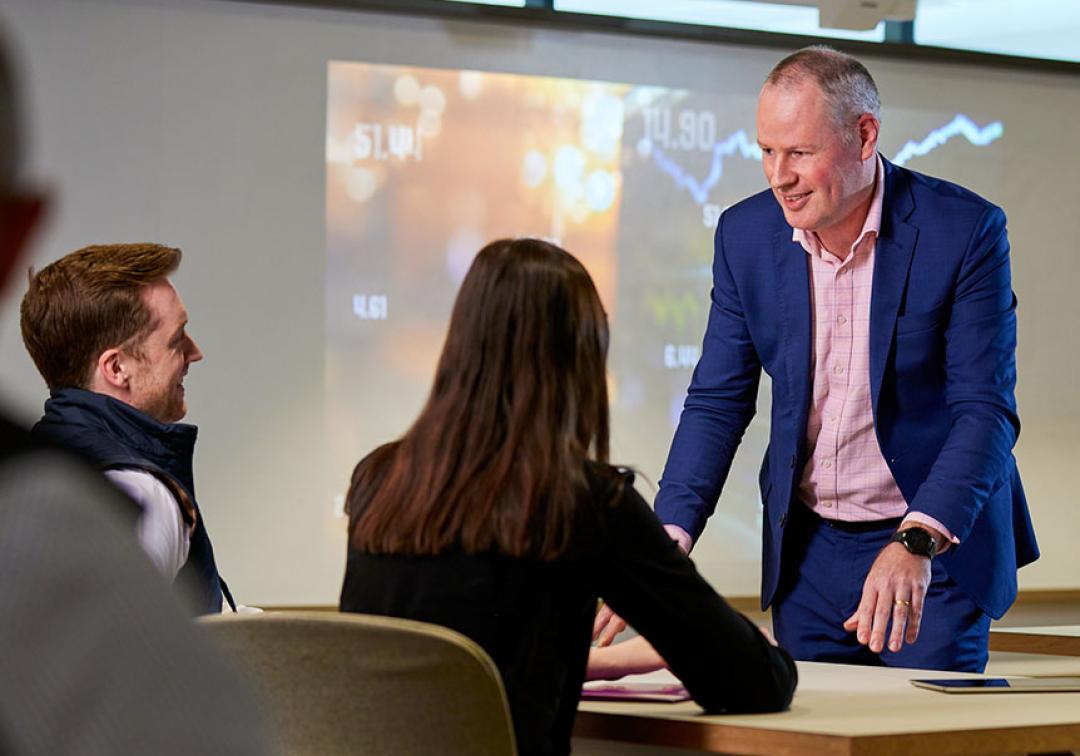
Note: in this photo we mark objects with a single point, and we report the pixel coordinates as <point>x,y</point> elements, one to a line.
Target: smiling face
<point>158,365</point>
<point>822,174</point>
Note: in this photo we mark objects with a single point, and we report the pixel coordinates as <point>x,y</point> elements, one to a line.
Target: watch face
<point>917,541</point>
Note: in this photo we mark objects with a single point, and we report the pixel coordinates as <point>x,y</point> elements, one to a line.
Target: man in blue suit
<point>879,302</point>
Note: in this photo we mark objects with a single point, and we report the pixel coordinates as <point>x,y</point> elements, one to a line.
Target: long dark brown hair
<point>496,460</point>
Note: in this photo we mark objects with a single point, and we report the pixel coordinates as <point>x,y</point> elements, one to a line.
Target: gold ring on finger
<point>902,602</point>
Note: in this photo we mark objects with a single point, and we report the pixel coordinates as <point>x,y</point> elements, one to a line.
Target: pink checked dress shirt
<point>846,477</point>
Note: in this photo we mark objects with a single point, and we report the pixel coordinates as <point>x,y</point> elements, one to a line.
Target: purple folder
<point>653,692</point>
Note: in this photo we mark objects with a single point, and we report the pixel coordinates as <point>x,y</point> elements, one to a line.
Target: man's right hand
<point>606,626</point>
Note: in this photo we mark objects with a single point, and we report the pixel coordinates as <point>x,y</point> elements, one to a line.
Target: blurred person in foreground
<point>108,333</point>
<point>497,514</point>
<point>99,657</point>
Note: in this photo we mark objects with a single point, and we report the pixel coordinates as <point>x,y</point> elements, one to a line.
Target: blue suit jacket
<point>942,374</point>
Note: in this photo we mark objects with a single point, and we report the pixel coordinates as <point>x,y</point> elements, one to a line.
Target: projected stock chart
<point>424,166</point>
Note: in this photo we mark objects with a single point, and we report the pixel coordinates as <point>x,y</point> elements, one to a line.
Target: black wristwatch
<point>916,540</point>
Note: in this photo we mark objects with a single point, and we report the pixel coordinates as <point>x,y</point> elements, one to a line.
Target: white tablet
<point>1002,685</point>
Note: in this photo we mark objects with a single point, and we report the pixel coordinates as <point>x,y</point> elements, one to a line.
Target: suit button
<point>783,519</point>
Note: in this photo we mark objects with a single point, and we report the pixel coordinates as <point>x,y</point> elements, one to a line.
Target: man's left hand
<point>894,589</point>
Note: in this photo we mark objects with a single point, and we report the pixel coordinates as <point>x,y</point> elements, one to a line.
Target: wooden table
<point>1061,640</point>
<point>847,711</point>
<point>1009,664</point>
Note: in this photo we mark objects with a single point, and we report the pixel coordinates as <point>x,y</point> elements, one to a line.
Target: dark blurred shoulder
<point>22,451</point>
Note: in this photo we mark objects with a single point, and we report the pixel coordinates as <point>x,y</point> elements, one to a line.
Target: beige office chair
<point>359,684</point>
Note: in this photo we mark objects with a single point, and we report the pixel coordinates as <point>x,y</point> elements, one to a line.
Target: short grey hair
<point>848,87</point>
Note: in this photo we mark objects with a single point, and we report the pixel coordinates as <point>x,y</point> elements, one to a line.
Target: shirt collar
<point>811,242</point>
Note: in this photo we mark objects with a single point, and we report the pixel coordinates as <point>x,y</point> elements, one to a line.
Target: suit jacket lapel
<point>892,262</point>
<point>794,299</point>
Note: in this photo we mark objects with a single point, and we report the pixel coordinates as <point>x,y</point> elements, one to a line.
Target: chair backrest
<point>359,684</point>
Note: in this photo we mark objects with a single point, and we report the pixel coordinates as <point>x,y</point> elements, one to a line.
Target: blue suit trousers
<point>822,585</point>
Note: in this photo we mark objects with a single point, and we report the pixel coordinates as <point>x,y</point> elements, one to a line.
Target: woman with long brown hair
<point>497,514</point>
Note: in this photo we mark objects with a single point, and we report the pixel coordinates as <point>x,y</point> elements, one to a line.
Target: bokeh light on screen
<point>470,84</point>
<point>600,191</point>
<point>602,123</point>
<point>569,168</point>
<point>432,100</point>
<point>533,168</point>
<point>361,185</point>
<point>406,89</point>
